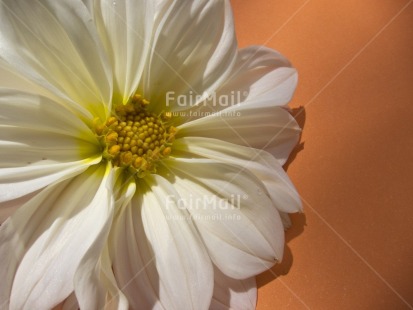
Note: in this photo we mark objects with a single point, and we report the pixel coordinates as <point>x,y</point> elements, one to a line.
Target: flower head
<point>148,174</point>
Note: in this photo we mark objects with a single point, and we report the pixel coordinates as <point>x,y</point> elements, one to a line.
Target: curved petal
<point>7,208</point>
<point>41,142</point>
<point>133,263</point>
<point>125,28</point>
<point>260,163</point>
<point>95,284</point>
<point>9,78</point>
<point>160,262</point>
<point>54,44</point>
<point>259,75</point>
<point>193,51</point>
<point>38,112</point>
<point>233,294</point>
<point>43,242</point>
<point>18,182</point>
<point>232,212</point>
<point>259,125</point>
<point>264,75</point>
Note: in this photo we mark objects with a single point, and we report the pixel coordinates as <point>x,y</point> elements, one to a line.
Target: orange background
<point>352,248</point>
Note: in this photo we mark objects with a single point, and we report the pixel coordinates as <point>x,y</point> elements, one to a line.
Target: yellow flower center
<point>135,138</point>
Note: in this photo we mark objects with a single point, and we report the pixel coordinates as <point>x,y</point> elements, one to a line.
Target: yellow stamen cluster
<point>135,138</point>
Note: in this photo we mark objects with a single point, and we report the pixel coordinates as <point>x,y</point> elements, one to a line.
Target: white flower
<point>94,220</point>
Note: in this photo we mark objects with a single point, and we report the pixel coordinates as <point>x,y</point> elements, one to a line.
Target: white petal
<point>95,284</point>
<point>54,44</point>
<point>7,208</point>
<point>235,217</point>
<point>259,75</point>
<point>125,28</point>
<point>134,260</point>
<point>248,107</point>
<point>42,244</point>
<point>233,294</point>
<point>264,75</point>
<point>32,111</point>
<point>18,182</point>
<point>161,262</point>
<point>41,142</point>
<point>194,49</point>
<point>9,78</point>
<point>262,164</point>
<point>254,124</point>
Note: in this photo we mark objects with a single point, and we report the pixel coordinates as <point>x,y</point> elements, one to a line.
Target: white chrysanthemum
<point>116,193</point>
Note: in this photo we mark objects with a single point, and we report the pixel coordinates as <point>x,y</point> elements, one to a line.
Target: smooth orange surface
<point>352,248</point>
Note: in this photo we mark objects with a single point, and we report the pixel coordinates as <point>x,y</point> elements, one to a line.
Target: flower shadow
<point>298,219</point>
<point>300,115</point>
